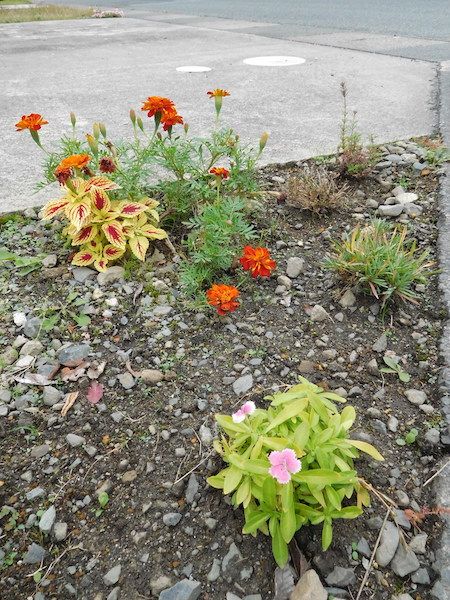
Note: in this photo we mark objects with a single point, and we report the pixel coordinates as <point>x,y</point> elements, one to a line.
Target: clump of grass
<point>354,159</point>
<point>382,261</point>
<point>50,12</point>
<point>316,190</point>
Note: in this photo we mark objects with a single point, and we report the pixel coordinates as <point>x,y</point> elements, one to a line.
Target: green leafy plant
<point>382,261</point>
<point>23,264</point>
<point>395,367</point>
<point>409,438</point>
<point>217,236</point>
<point>103,500</point>
<point>354,159</point>
<point>305,421</point>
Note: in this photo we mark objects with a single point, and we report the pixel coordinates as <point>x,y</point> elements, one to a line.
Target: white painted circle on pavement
<point>274,61</point>
<point>193,69</point>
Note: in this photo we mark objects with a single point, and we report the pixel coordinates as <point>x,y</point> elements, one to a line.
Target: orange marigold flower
<point>220,172</point>
<point>76,161</point>
<point>33,122</point>
<point>157,104</point>
<point>218,92</point>
<point>169,118</point>
<point>223,297</point>
<point>107,165</point>
<point>257,261</point>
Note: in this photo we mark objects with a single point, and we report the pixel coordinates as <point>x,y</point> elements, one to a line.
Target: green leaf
<point>269,491</point>
<point>327,534</point>
<point>348,416</point>
<point>233,476</point>
<point>227,423</point>
<point>37,576</point>
<point>103,499</point>
<point>283,397</point>
<point>301,435</point>
<point>323,477</point>
<point>254,522</point>
<point>290,411</point>
<point>81,320</point>
<point>279,546</point>
<point>257,466</point>
<point>404,376</point>
<point>367,448</point>
<point>348,512</point>
<point>50,322</point>
<point>390,362</point>
<point>288,524</point>
<point>333,497</point>
<point>243,490</point>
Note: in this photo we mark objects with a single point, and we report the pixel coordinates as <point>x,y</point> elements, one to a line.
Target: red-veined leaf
<point>101,264</point>
<point>153,232</point>
<point>83,258</point>
<point>114,233</point>
<point>85,235</point>
<point>78,213</point>
<point>100,199</point>
<point>101,182</point>
<point>53,207</point>
<point>112,252</point>
<point>131,209</point>
<point>139,246</point>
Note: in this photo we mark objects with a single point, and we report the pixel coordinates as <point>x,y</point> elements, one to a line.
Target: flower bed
<point>111,381</point>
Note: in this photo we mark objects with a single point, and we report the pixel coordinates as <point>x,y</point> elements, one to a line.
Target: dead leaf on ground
<point>95,370</point>
<point>95,392</point>
<point>68,374</point>
<point>69,401</point>
<point>131,370</point>
<point>33,379</point>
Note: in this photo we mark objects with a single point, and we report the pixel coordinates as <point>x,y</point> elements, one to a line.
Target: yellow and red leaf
<point>131,209</point>
<point>139,246</point>
<point>100,200</point>
<point>114,233</point>
<point>112,252</point>
<point>78,213</point>
<point>152,232</point>
<point>101,182</point>
<point>53,207</point>
<point>85,235</point>
<point>83,258</point>
<point>101,264</point>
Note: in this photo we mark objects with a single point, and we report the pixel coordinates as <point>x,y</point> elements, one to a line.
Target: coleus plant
<point>292,464</point>
<point>101,226</point>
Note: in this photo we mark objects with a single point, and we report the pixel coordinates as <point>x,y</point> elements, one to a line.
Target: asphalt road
<point>410,18</point>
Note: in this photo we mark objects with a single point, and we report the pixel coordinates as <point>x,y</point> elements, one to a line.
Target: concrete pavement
<point>101,68</point>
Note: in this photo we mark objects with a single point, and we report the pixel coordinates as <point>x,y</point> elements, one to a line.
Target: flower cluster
<point>257,262</point>
<point>164,111</point>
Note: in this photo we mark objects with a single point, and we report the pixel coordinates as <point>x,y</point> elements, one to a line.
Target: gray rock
<point>73,355</point>
<point>159,584</point>
<point>151,376</point>
<point>36,492</point>
<point>243,384</point>
<point>418,543</point>
<point>3,410</point>
<point>51,395</point>
<point>112,274</point>
<point>35,554</point>
<point>75,440</point>
<point>113,575</point>
<point>186,589</point>
<point>309,587</point>
<point>348,299</point>
<point>31,348</point>
<point>191,489</point>
<point>32,327</point>
<point>47,520</point>
<point>172,519</point>
<point>390,210</point>
<point>214,572</point>
<point>60,531</point>
<point>231,560</point>
<point>341,577</point>
<point>388,544</point>
<point>412,210</point>
<point>406,197</point>
<point>421,576</point>
<point>416,396</point>
<point>50,260</point>
<point>9,356</point>
<point>114,594</point>
<point>39,451</point>
<point>126,379</point>
<point>440,591</point>
<point>318,313</point>
<point>363,547</point>
<point>381,344</point>
<point>404,561</point>
<point>295,266</point>
<point>432,436</point>
<point>392,424</point>
<point>82,274</point>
